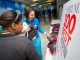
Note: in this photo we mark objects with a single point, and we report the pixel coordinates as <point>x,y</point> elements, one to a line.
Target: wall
<point>60,2</point>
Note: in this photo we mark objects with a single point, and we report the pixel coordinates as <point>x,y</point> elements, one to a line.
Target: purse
<point>31,33</point>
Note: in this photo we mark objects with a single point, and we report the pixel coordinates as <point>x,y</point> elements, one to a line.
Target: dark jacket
<point>17,48</point>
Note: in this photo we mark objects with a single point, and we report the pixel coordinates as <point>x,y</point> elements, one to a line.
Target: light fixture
<point>35,0</point>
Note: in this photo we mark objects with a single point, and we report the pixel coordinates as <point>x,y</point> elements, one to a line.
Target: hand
<point>46,34</point>
<point>26,30</point>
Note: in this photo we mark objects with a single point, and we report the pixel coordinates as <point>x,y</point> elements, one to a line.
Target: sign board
<point>49,55</point>
<point>69,34</point>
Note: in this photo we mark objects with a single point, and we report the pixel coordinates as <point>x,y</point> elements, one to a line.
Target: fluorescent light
<point>35,0</point>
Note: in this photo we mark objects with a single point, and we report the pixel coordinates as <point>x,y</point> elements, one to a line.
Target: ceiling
<point>36,2</point>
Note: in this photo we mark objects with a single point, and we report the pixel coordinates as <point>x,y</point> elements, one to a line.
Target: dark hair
<point>27,10</point>
<point>9,17</point>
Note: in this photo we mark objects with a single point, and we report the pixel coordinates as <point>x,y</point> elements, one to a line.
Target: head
<point>29,13</point>
<point>11,21</point>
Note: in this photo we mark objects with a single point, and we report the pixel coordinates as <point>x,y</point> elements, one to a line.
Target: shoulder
<point>22,42</point>
<point>35,19</point>
<point>22,37</point>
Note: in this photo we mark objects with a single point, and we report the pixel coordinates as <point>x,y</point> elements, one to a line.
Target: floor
<point>44,39</point>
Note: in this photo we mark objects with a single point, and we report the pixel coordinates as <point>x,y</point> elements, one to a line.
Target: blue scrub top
<point>34,22</point>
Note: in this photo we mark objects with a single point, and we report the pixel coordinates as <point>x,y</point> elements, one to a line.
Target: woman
<point>31,20</point>
<point>12,45</point>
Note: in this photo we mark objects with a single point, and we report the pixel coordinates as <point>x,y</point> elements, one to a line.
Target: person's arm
<point>32,54</point>
<point>40,28</point>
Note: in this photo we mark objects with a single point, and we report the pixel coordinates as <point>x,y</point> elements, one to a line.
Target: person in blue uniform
<point>31,20</point>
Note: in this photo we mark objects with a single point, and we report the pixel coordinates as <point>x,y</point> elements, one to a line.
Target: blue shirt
<point>35,22</point>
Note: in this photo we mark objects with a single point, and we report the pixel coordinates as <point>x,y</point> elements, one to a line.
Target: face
<point>31,15</point>
<point>17,27</point>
